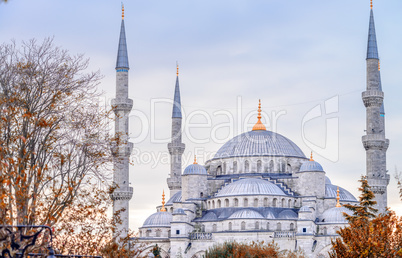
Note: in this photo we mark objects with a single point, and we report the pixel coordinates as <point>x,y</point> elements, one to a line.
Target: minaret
<point>176,146</point>
<point>122,149</point>
<point>374,141</point>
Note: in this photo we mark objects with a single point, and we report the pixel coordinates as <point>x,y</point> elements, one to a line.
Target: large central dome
<point>259,143</point>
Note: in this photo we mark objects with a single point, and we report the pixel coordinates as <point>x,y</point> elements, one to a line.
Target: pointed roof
<point>122,56</point>
<point>177,103</point>
<point>372,51</point>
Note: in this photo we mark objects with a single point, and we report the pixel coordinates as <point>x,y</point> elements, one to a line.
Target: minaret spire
<point>374,141</point>
<point>122,148</point>
<point>176,146</point>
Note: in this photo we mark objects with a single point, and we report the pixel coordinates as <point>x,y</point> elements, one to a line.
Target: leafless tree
<point>53,132</point>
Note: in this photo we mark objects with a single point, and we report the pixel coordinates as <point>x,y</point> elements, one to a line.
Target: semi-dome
<point>287,214</point>
<point>330,192</point>
<point>158,219</point>
<point>311,166</point>
<point>250,186</point>
<point>195,169</point>
<point>259,143</point>
<point>327,181</point>
<point>175,198</point>
<point>246,214</point>
<point>334,215</point>
<point>210,216</point>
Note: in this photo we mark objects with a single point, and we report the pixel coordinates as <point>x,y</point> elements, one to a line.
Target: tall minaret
<point>122,149</point>
<point>176,147</point>
<point>374,141</point>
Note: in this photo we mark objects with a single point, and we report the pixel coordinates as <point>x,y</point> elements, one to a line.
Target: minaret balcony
<point>122,150</point>
<point>125,193</point>
<point>120,104</point>
<point>372,98</point>
<point>176,149</point>
<point>375,142</point>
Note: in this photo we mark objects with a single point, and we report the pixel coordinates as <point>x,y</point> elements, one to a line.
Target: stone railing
<point>200,236</point>
<point>285,234</point>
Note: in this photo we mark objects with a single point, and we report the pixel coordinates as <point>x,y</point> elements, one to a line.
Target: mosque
<point>258,187</point>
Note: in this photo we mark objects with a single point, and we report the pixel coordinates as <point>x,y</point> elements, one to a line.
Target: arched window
<point>289,203</point>
<point>236,202</point>
<point>267,226</point>
<point>255,202</point>
<point>295,203</point>
<point>171,210</point>
<point>292,226</point>
<point>257,225</point>
<point>224,168</point>
<point>325,231</point>
<point>169,233</point>
<point>265,202</point>
<point>245,202</point>
<point>213,204</point>
<point>230,226</point>
<point>226,202</point>
<point>214,229</point>
<point>219,203</point>
<point>289,167</point>
<point>259,165</point>
<point>283,167</point>
<point>234,166</point>
<point>243,225</point>
<point>148,233</point>
<point>246,166</point>
<point>278,227</point>
<point>158,233</point>
<point>140,233</point>
<point>203,228</point>
<point>271,166</point>
<point>209,205</point>
<point>283,203</point>
<point>274,202</point>
<point>219,170</point>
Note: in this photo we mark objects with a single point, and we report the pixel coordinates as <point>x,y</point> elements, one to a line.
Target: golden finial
<point>259,126</point>
<point>163,209</point>
<point>338,205</point>
<point>371,4</point>
<point>177,67</point>
<point>311,157</point>
<point>122,11</point>
<point>195,159</point>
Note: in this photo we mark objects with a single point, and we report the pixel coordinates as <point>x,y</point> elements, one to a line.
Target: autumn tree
<point>367,234</point>
<point>54,146</point>
<point>252,250</point>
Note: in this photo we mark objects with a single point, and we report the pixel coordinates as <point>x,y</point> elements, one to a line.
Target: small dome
<point>179,211</point>
<point>210,216</point>
<point>311,166</point>
<point>246,214</point>
<point>250,186</point>
<point>175,198</point>
<point>195,169</point>
<point>334,215</point>
<point>327,181</point>
<point>287,214</point>
<point>158,219</point>
<point>305,209</point>
<point>259,143</point>
<point>330,192</point>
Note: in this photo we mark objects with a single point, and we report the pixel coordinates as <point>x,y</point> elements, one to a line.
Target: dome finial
<point>311,157</point>
<point>163,209</point>
<point>122,11</point>
<point>371,4</point>
<point>259,125</point>
<point>338,205</point>
<point>195,159</point>
<point>177,67</point>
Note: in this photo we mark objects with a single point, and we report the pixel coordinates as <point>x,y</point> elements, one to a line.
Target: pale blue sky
<point>292,54</point>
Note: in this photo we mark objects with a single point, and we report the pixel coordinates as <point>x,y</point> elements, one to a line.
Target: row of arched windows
<point>148,233</point>
<point>268,168</point>
<point>257,226</point>
<point>276,202</point>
